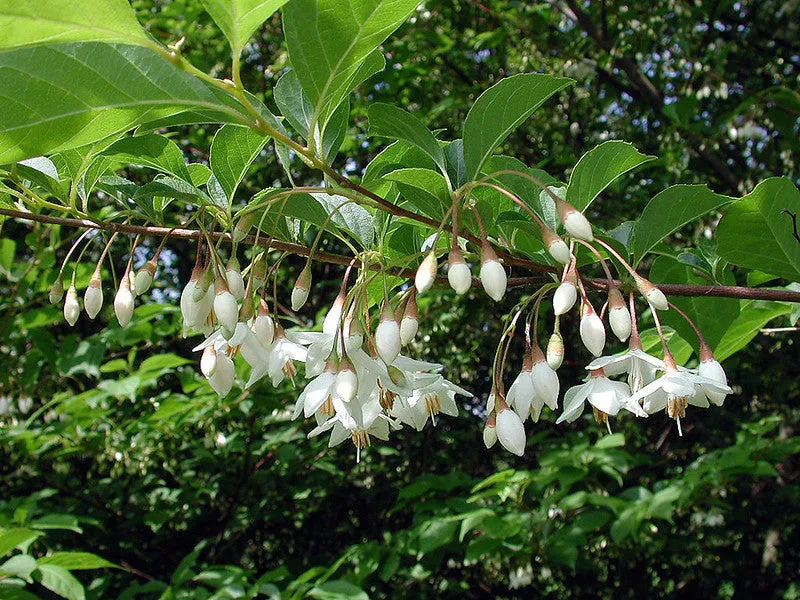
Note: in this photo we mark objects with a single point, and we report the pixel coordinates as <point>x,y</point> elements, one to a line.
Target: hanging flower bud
<point>208,361</point>
<point>426,273</point>
<point>545,383</point>
<point>57,291</point>
<point>264,326</point>
<point>203,285</point>
<point>618,315</point>
<point>654,296</point>
<point>387,335</point>
<point>493,275</point>
<point>409,323</point>
<point>301,287</point>
<point>346,380</point>
<point>555,350</point>
<point>221,380</point>
<point>242,227</point>
<point>458,273</point>
<point>490,431</point>
<point>330,324</point>
<point>593,334</point>
<point>93,296</point>
<point>566,294</point>
<point>510,430</point>
<point>123,300</point>
<point>145,276</point>
<point>225,307</point>
<point>188,303</point>
<point>574,222</point>
<point>233,274</point>
<point>557,247</point>
<point>72,309</point>
<point>520,394</point>
<point>258,271</point>
<point>711,369</point>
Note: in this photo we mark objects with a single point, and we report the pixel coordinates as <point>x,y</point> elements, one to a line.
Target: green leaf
<point>501,109</point>
<point>13,538</point>
<point>170,187</point>
<point>391,122</point>
<point>151,150</point>
<point>712,315</point>
<point>351,217</point>
<point>670,210</point>
<point>76,561</point>
<point>28,22</point>
<point>57,521</point>
<point>8,250</point>
<point>338,590</point>
<point>426,189</point>
<point>238,19</point>
<point>21,565</point>
<point>755,234</point>
<point>233,150</point>
<point>79,93</point>
<point>615,440</point>
<point>598,168</point>
<point>746,326</point>
<point>330,43</point>
<point>60,581</point>
<point>436,533</point>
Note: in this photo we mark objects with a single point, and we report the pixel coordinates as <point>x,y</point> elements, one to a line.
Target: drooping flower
<point>593,333</point>
<point>436,395</point>
<point>607,398</point>
<point>426,273</point>
<point>458,273</point>
<point>545,384</point>
<point>640,367</point>
<point>509,427</point>
<point>520,394</point>
<point>72,308</point>
<point>93,296</point>
<point>493,275</point>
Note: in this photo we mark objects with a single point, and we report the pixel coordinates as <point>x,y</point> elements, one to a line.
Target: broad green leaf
<point>501,109</point>
<point>12,538</point>
<point>389,121</point>
<point>233,150</point>
<point>60,521</point>
<point>19,565</point>
<point>69,95</point>
<point>712,315</point>
<point>670,210</point>
<point>598,168</point>
<point>169,187</point>
<point>349,216</point>
<point>29,22</point>
<point>755,234</point>
<point>751,319</point>
<point>76,561</point>
<point>151,150</point>
<point>330,41</point>
<point>238,19</point>
<point>426,189</point>
<point>8,250</point>
<point>60,581</point>
<point>338,589</point>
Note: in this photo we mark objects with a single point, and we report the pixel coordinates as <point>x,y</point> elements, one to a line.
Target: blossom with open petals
<point>607,397</point>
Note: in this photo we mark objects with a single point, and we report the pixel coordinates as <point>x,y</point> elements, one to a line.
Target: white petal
<point>511,432</point>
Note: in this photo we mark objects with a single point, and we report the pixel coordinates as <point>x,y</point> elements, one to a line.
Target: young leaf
<point>598,168</point>
<point>389,121</point>
<point>670,210</point>
<point>25,23</point>
<point>330,41</point>
<point>151,150</point>
<point>756,234</point>
<point>501,109</point>
<point>233,149</point>
<point>76,561</point>
<point>238,19</point>
<point>60,581</point>
<point>79,93</point>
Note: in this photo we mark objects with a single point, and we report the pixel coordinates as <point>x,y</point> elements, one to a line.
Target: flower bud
<point>258,271</point>
<point>242,227</point>
<point>458,273</point>
<point>93,296</point>
<point>557,247</point>
<point>225,307</point>
<point>301,288</point>
<point>144,278</point>
<point>493,275</point>
<point>618,315</point>
<point>233,275</point>
<point>72,309</point>
<point>123,301</point>
<point>574,222</point>
<point>221,380</point>
<point>203,285</point>
<point>346,381</point>
<point>545,381</point>
<point>654,296</point>
<point>330,324</point>
<point>710,368</point>
<point>426,273</point>
<point>593,333</point>
<point>57,291</point>
<point>555,350</point>
<point>208,361</point>
<point>565,296</point>
<point>490,431</point>
<point>387,336</point>
<point>510,431</point>
<point>264,326</point>
<point>409,323</point>
<point>188,304</point>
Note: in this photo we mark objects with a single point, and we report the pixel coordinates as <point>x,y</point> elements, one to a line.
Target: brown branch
<point>725,291</point>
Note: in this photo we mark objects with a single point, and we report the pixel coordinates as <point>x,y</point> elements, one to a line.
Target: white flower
<point>564,297</point>
<point>93,297</point>
<point>711,369</point>
<point>545,384</point>
<point>640,367</point>
<point>490,431</point>
<point>225,308</point>
<point>387,337</point>
<point>221,380</point>
<point>458,274</point>
<point>620,320</point>
<point>559,250</point>
<point>72,308</point>
<point>123,301</point>
<point>520,394</point>
<point>593,334</point>
<point>436,395</point>
<point>510,431</point>
<point>233,276</point>
<point>426,273</point>
<point>280,362</point>
<point>320,395</point>
<point>494,279</point>
<point>606,396</point>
